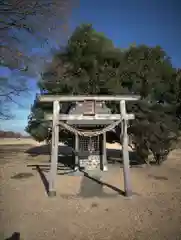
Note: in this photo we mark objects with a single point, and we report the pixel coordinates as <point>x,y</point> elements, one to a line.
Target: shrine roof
<point>86,109</point>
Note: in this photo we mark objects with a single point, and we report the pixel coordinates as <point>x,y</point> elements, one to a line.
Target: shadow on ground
<point>15,236</point>
<point>91,185</point>
<point>66,155</point>
<point>22,175</point>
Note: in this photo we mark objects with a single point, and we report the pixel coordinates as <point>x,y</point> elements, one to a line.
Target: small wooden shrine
<point>90,152</point>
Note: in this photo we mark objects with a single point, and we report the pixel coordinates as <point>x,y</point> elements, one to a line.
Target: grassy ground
<point>84,209</point>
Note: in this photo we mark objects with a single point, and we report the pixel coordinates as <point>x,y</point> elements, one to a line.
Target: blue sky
<point>148,22</point>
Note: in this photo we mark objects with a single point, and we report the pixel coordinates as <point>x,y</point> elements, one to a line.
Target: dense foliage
<point>90,64</point>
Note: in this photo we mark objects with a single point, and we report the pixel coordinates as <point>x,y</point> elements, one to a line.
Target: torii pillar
<point>126,162</point>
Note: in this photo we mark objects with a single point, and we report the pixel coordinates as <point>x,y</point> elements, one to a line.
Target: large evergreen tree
<point>90,64</point>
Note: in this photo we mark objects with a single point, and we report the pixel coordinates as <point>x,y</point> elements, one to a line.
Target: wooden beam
<point>95,117</point>
<point>54,150</point>
<point>76,152</point>
<point>126,166</point>
<point>71,98</point>
<point>105,164</point>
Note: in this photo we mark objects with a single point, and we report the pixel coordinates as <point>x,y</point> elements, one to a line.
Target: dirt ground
<point>84,209</point>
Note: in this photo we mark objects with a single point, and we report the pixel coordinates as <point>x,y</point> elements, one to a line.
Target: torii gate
<point>56,118</point>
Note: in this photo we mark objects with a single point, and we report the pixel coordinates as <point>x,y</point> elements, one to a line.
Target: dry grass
<point>83,209</point>
<point>29,141</point>
<point>16,141</point>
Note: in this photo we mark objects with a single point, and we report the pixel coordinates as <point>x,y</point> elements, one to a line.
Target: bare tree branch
<point>42,19</point>
<point>10,91</point>
<point>22,22</point>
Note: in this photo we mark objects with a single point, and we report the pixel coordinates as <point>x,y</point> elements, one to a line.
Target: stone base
<point>128,194</point>
<point>94,173</point>
<point>76,173</point>
<point>52,193</point>
<point>105,168</point>
<point>76,168</point>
